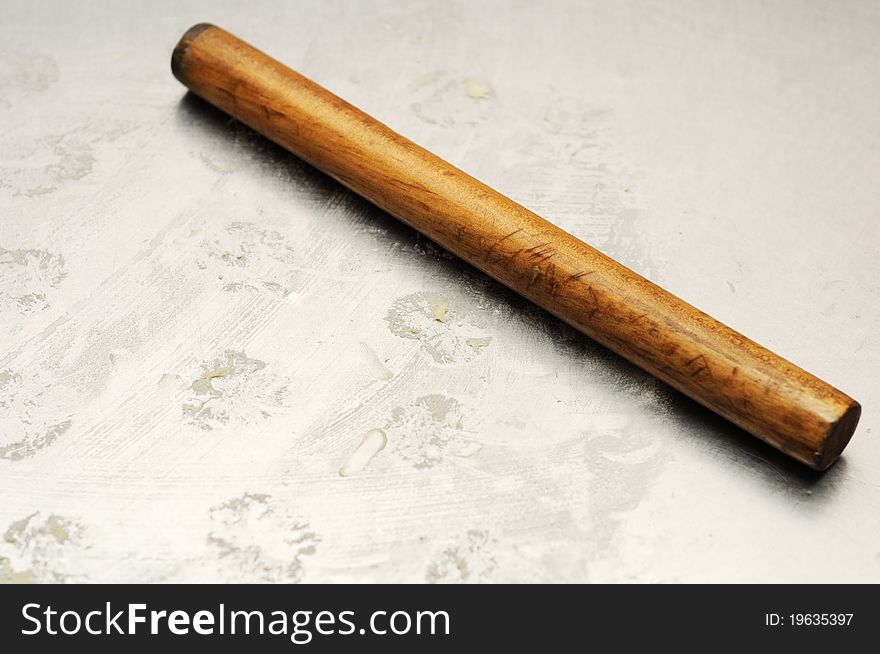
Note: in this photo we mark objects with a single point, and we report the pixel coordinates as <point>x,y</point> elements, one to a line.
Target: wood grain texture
<point>749,385</point>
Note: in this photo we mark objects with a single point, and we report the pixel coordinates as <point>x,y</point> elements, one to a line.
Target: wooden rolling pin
<point>752,387</point>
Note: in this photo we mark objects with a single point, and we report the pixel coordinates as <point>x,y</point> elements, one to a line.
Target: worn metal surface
<point>197,331</point>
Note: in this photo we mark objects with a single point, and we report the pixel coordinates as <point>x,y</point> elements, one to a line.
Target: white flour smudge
<point>27,72</point>
<point>27,279</point>
<point>438,100</point>
<point>36,174</point>
<point>446,333</point>
<point>233,387</point>
<point>426,432</point>
<point>31,415</point>
<point>468,559</point>
<point>257,540</point>
<point>247,257</point>
<point>35,549</point>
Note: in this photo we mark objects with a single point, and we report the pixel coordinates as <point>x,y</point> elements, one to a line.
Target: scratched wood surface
<point>198,332</point>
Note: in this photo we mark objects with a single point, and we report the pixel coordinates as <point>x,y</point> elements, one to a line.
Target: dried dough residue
<point>470,449</point>
<point>380,370</point>
<point>374,441</point>
<point>476,89</point>
<point>439,311</point>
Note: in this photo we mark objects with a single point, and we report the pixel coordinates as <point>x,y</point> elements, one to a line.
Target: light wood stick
<point>752,387</point>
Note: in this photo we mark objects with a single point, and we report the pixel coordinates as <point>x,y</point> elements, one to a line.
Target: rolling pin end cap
<point>179,54</point>
<point>838,436</point>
